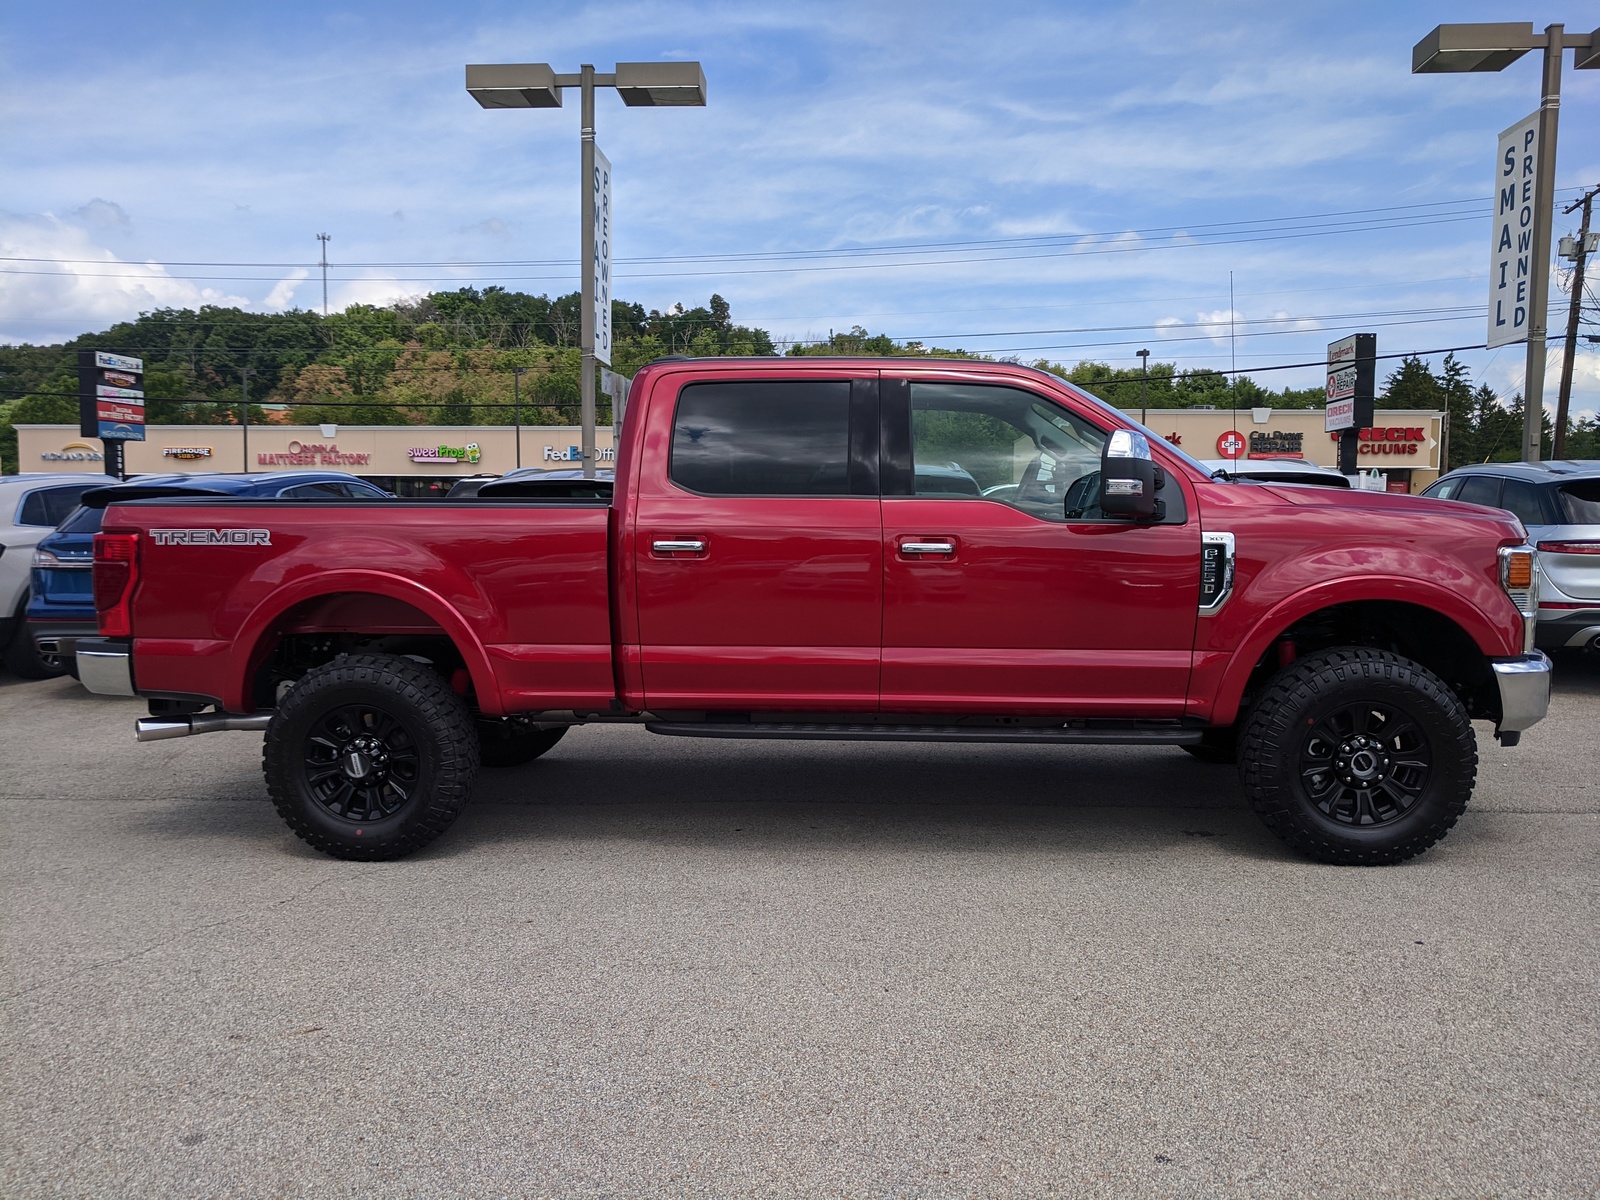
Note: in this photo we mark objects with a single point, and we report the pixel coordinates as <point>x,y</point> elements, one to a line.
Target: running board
<point>1103,735</point>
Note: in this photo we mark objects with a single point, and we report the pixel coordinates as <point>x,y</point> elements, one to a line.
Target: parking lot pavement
<point>648,966</point>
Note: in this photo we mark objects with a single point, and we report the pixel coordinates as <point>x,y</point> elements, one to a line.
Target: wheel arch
<point>1430,626</point>
<point>366,603</point>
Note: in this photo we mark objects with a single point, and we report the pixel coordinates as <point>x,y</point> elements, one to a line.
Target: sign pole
<point>586,284</point>
<point>111,403</point>
<point>1544,192</point>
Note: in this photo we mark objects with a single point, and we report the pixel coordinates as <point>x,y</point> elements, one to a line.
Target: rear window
<point>789,438</point>
<point>83,520</point>
<point>1580,502</point>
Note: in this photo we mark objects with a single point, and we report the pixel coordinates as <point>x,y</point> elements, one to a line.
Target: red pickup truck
<point>838,549</point>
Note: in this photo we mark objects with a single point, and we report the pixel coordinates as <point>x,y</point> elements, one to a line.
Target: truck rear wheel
<point>510,743</point>
<point>1358,756</point>
<point>370,756</point>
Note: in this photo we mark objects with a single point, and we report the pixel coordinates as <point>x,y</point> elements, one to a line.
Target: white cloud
<point>104,214</point>
<point>283,291</point>
<point>80,285</point>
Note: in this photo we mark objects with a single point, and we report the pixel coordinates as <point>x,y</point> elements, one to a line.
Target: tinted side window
<point>50,506</point>
<point>1480,489</point>
<point>1445,489</point>
<point>1522,499</point>
<point>779,438</point>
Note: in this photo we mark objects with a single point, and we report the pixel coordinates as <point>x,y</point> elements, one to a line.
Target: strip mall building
<point>1403,445</point>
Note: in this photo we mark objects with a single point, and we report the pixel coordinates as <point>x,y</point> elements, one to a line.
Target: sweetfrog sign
<point>470,453</point>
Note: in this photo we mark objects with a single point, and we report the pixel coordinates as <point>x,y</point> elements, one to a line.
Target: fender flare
<point>380,583</point>
<point>1329,594</point>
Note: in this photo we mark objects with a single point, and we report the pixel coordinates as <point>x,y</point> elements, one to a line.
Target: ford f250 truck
<point>838,549</point>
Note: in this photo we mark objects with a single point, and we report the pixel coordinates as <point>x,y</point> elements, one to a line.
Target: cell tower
<point>323,238</point>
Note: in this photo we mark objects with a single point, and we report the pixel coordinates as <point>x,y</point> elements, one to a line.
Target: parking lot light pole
<point>1452,49</point>
<point>516,407</point>
<point>244,411</point>
<point>536,85</point>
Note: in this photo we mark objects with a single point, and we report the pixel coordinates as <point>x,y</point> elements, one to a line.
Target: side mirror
<point>1127,477</point>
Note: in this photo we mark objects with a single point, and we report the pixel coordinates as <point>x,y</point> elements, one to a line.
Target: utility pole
<point>244,383</point>
<point>1144,384</point>
<point>323,238</point>
<point>1579,253</point>
<point>516,406</point>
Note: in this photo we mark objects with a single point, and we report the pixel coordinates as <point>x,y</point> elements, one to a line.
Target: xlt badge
<point>212,537</point>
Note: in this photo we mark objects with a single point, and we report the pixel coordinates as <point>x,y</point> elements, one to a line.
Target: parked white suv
<point>30,507</point>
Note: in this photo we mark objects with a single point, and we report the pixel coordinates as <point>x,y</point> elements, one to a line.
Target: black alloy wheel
<point>370,756</point>
<point>1358,756</point>
<point>1366,765</point>
<point>361,763</point>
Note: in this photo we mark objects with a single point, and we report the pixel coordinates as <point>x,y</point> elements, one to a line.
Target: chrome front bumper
<point>1524,690</point>
<point>105,667</point>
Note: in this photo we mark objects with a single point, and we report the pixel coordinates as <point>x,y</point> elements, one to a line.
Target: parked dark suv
<point>1559,504</point>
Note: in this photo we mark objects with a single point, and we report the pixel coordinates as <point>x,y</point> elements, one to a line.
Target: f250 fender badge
<point>212,537</point>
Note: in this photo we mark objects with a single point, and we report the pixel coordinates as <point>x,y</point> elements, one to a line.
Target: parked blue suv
<point>61,609</point>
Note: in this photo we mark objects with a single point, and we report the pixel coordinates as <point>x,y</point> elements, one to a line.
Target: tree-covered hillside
<point>448,359</point>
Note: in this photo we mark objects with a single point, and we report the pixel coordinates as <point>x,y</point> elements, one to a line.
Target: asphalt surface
<point>657,967</point>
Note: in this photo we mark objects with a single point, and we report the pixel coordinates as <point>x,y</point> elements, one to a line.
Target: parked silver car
<point>30,507</point>
<point>1274,470</point>
<point>1559,504</point>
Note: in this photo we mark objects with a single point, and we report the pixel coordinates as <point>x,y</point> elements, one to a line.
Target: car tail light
<point>116,570</point>
<point>1570,547</point>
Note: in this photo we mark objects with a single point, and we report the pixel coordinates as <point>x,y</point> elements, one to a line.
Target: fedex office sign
<point>1511,254</point>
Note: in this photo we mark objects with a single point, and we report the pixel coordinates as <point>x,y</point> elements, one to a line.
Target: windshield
<point>82,520</point>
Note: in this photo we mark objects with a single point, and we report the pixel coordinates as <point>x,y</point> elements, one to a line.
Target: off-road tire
<point>1219,746</point>
<point>1284,744</point>
<point>416,725</point>
<point>510,743</point>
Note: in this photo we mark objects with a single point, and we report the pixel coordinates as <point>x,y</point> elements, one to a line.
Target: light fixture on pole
<point>1144,384</point>
<point>516,406</point>
<point>641,85</point>
<point>1493,47</point>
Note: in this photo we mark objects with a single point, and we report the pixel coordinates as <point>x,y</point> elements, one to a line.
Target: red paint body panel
<point>805,603</point>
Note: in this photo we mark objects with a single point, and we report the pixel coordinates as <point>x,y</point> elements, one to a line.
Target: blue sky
<point>1063,181</point>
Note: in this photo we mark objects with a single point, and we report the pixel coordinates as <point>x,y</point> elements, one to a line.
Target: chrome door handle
<point>927,547</point>
<point>685,546</point>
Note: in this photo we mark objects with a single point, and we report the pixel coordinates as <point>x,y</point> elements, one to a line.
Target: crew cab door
<point>758,548</point>
<point>1004,589</point>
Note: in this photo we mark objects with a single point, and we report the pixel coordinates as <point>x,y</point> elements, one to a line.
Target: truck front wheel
<point>370,756</point>
<point>1358,756</point>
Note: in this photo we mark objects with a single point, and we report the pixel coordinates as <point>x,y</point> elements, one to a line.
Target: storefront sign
<point>1230,444</point>
<point>314,454</point>
<point>73,452</point>
<point>575,454</point>
<point>186,453</point>
<point>1390,439</point>
<point>470,453</point>
<point>1277,444</point>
